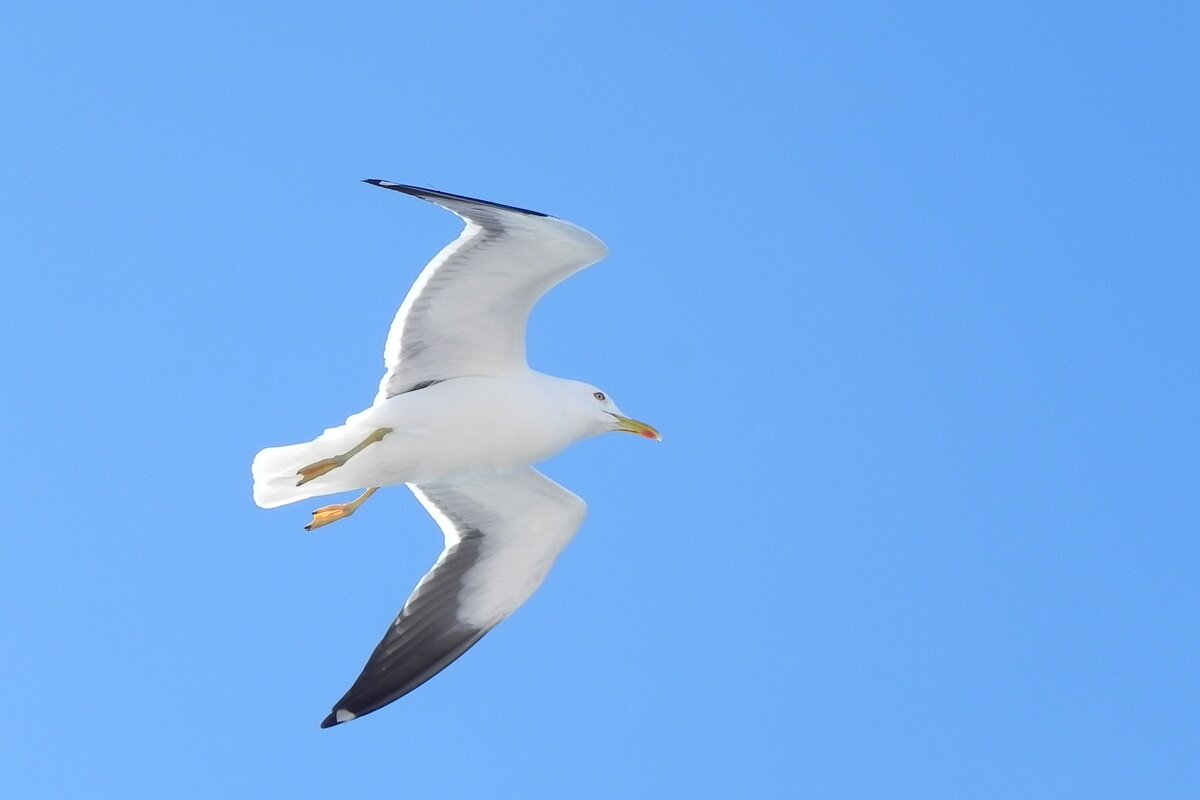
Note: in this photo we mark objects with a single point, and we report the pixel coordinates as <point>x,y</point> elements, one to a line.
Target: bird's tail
<point>276,469</point>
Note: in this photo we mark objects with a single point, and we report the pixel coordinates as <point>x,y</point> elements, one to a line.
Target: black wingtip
<point>433,195</point>
<point>398,187</point>
<point>330,721</point>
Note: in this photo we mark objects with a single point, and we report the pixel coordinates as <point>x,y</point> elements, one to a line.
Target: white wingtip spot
<point>344,716</point>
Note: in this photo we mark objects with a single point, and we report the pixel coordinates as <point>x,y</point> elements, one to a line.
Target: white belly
<point>458,427</point>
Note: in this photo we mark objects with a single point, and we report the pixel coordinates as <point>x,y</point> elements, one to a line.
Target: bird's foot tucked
<point>325,465</point>
<point>330,514</point>
<point>319,468</point>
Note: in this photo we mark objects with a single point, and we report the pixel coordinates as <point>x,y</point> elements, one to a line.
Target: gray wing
<point>503,533</point>
<point>467,311</point>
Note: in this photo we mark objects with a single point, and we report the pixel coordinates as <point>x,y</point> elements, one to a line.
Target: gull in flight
<point>459,418</point>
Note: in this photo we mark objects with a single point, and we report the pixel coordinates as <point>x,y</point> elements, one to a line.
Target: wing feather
<point>467,311</point>
<point>502,534</point>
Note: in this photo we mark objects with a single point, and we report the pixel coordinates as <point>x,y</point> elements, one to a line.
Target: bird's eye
<point>599,396</point>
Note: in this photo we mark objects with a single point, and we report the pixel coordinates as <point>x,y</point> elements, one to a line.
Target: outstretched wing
<point>467,311</point>
<point>502,535</point>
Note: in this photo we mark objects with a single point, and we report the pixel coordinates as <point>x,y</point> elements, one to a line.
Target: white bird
<point>459,418</point>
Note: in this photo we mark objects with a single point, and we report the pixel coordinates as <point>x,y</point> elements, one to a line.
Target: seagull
<point>460,418</point>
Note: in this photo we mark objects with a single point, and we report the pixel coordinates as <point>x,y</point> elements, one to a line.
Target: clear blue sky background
<point>911,292</point>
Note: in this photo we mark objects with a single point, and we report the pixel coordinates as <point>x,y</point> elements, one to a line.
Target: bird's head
<point>607,417</point>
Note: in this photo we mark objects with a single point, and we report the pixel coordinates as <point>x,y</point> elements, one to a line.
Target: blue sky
<point>910,290</point>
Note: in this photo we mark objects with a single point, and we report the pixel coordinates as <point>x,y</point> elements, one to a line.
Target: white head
<point>601,413</point>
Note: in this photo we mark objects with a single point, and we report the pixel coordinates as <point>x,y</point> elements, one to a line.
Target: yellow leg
<point>330,514</point>
<point>319,468</point>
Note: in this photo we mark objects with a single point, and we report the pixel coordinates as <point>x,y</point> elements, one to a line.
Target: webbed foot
<point>331,514</point>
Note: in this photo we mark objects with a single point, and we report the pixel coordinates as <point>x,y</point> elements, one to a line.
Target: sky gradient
<point>910,291</point>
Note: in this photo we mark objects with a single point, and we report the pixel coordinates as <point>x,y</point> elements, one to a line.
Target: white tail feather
<point>275,469</point>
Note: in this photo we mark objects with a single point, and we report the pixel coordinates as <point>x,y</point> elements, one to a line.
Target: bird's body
<point>459,418</point>
<point>458,427</point>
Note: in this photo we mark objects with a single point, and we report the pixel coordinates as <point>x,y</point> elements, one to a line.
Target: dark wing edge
<point>466,312</point>
<point>422,641</point>
<point>433,195</point>
<point>503,533</point>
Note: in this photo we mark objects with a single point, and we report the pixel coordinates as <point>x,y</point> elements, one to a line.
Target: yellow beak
<point>628,425</point>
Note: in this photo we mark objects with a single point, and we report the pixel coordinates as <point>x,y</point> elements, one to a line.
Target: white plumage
<point>460,417</point>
